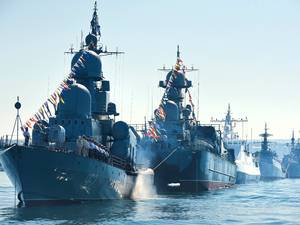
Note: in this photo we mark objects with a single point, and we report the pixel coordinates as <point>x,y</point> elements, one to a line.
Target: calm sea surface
<point>275,202</point>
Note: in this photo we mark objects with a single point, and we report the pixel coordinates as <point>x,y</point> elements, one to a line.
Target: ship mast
<point>92,40</point>
<point>228,124</point>
<point>95,26</point>
<point>184,68</point>
<point>178,70</point>
<point>293,140</point>
<point>265,143</point>
<point>178,52</point>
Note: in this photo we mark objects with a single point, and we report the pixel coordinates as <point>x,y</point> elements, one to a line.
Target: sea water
<point>276,202</point>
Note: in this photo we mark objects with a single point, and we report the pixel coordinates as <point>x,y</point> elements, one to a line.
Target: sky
<point>247,53</point>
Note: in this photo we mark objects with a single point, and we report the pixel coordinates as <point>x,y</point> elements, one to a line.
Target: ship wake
<point>144,187</point>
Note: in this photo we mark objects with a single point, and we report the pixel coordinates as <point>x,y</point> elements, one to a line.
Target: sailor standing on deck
<point>26,136</point>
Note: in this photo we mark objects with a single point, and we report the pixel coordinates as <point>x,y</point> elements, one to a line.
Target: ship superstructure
<point>247,166</point>
<point>291,162</point>
<point>81,153</point>
<point>185,155</point>
<point>269,164</point>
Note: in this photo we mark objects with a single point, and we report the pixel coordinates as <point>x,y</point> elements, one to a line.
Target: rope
<point>168,156</point>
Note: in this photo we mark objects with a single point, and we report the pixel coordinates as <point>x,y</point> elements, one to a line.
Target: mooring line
<point>168,156</point>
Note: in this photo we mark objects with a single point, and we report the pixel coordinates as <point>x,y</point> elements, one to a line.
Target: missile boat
<point>185,155</point>
<point>81,153</point>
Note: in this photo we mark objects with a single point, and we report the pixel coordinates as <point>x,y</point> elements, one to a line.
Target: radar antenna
<point>228,124</point>
<point>95,26</point>
<point>265,135</point>
<point>92,40</point>
<point>183,67</point>
<point>229,118</point>
<point>71,50</point>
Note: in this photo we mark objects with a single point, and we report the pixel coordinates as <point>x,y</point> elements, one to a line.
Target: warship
<point>81,153</point>
<point>186,156</point>
<point>247,166</point>
<point>291,162</point>
<point>269,164</point>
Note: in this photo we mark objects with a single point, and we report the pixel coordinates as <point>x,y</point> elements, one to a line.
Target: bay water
<point>276,202</point>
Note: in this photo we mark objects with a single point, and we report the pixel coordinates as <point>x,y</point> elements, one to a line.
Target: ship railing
<point>216,126</point>
<point>8,140</point>
<point>138,127</point>
<point>118,162</point>
<point>235,141</point>
<point>142,127</point>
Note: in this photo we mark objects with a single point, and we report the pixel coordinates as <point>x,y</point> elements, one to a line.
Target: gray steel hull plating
<point>269,171</point>
<point>293,170</point>
<point>243,178</point>
<point>42,175</point>
<point>187,171</point>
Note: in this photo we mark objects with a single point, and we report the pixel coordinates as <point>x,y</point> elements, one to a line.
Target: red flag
<point>28,124</point>
<point>32,119</point>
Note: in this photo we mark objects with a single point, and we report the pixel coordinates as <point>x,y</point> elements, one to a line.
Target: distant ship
<point>247,166</point>
<point>269,164</point>
<point>186,156</point>
<point>81,154</point>
<point>291,162</point>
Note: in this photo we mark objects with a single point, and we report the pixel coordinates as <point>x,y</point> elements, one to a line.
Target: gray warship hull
<point>293,170</point>
<point>243,178</point>
<point>270,170</point>
<point>44,176</point>
<point>269,165</point>
<point>194,171</point>
<point>187,156</point>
